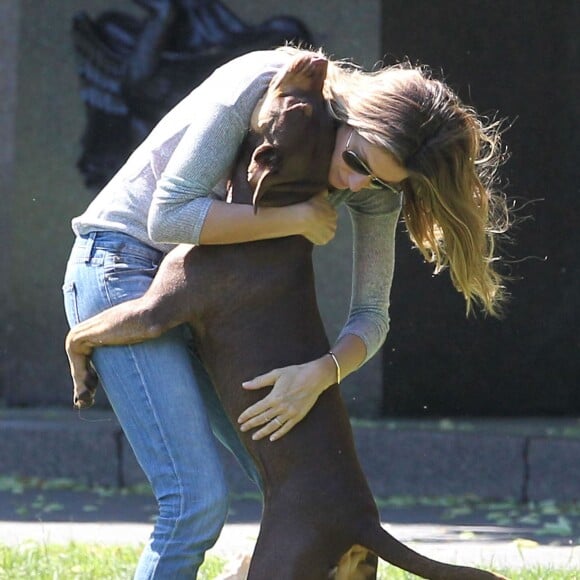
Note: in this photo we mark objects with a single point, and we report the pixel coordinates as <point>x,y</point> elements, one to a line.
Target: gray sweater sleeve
<point>374,218</point>
<point>220,112</point>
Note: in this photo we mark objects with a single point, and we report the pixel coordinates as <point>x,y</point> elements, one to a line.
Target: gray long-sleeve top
<point>162,194</point>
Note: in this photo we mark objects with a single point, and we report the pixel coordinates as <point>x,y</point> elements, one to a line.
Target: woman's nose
<point>357,181</point>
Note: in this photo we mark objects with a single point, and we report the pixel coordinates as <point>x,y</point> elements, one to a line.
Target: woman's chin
<point>335,183</point>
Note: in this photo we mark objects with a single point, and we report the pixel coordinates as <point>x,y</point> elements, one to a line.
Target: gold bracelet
<point>333,356</point>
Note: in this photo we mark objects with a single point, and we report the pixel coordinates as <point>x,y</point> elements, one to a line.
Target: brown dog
<point>320,520</point>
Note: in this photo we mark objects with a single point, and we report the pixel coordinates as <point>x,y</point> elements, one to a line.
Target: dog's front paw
<point>85,389</point>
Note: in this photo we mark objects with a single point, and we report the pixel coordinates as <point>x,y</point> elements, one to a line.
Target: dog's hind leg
<point>357,564</point>
<point>287,552</point>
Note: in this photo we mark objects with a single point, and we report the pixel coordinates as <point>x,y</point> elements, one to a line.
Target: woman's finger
<point>284,428</point>
<point>274,428</point>
<point>265,380</point>
<point>256,415</point>
<point>267,429</point>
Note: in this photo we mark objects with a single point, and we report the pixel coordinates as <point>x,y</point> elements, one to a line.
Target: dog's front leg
<point>127,323</point>
<point>170,300</point>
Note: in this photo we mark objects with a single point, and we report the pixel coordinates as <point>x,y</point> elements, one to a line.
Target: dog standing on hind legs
<point>319,519</point>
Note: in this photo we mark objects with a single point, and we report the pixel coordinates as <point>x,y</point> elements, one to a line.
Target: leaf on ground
<point>11,484</point>
<point>398,501</point>
<point>53,507</point>
<point>548,508</point>
<point>525,543</point>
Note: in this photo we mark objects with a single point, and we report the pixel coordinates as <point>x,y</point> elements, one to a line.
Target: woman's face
<point>382,165</point>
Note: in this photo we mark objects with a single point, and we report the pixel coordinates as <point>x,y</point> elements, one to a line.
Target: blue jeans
<point>165,404</point>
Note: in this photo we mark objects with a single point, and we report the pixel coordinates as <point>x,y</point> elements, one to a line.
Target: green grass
<point>544,573</point>
<point>34,561</point>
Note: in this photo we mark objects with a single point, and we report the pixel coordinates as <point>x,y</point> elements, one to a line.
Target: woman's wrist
<point>345,357</point>
<point>327,370</point>
<point>337,365</point>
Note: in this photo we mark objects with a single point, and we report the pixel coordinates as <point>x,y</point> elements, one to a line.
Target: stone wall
<point>41,189</point>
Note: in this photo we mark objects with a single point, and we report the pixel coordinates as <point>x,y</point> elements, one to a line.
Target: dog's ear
<point>264,163</point>
<point>305,73</point>
<point>260,190</point>
<point>265,155</point>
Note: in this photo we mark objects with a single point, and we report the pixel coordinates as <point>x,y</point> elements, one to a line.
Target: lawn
<point>34,561</point>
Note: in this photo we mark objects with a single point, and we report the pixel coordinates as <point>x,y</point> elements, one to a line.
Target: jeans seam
<point>168,451</point>
<point>151,408</point>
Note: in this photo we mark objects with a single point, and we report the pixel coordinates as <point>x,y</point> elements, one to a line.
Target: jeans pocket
<point>127,276</point>
<point>71,305</point>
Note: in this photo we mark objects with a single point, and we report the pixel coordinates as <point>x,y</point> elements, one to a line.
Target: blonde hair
<point>452,211</point>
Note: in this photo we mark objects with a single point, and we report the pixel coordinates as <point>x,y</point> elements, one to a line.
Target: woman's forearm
<point>230,223</point>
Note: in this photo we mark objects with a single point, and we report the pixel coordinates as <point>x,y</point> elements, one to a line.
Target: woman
<point>401,138</point>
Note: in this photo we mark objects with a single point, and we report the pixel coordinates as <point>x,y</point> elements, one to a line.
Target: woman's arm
<point>181,210</point>
<point>228,223</point>
<point>193,149</point>
<point>374,220</point>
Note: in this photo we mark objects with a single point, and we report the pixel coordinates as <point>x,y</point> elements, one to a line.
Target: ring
<point>277,421</point>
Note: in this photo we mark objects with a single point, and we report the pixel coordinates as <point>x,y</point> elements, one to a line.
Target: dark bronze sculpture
<point>133,71</point>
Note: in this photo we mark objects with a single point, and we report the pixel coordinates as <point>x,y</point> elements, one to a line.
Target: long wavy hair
<point>452,208</point>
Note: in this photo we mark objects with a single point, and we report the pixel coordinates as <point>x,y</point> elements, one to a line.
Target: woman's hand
<point>295,390</point>
<point>319,219</point>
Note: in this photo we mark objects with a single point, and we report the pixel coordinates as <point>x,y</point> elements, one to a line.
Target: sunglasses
<point>354,162</point>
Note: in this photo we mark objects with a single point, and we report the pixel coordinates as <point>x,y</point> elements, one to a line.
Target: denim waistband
<point>115,242</point>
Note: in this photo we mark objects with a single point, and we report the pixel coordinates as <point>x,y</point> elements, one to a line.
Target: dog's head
<point>296,136</point>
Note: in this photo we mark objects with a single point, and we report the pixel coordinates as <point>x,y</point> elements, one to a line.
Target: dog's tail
<point>391,550</point>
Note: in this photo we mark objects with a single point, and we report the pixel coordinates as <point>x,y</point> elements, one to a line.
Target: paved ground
<point>502,534</point>
<point>529,460</point>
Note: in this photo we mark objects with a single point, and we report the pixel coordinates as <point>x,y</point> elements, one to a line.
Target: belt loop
<point>89,245</point>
